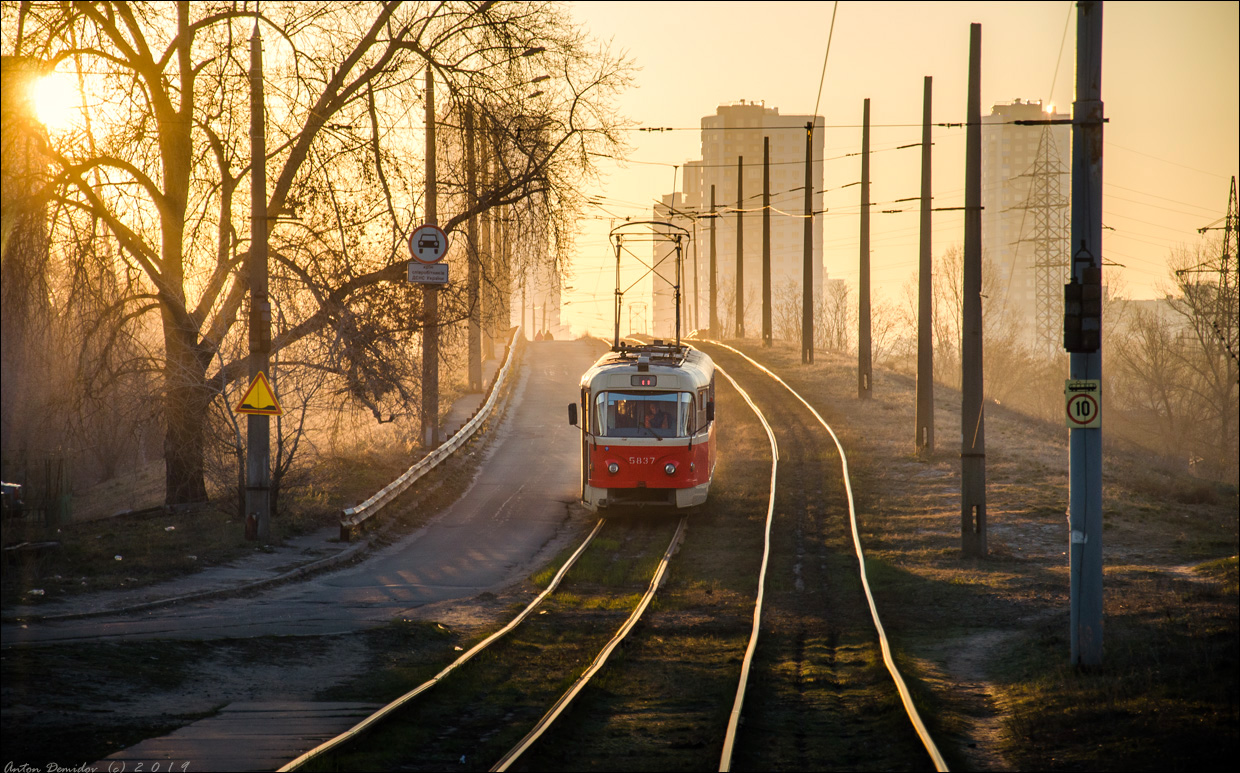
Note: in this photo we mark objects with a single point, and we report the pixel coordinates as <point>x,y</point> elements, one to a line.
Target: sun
<point>55,100</point>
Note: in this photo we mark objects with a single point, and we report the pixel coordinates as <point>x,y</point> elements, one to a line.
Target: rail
<point>734,718</point>
<point>352,518</point>
<point>373,719</point>
<point>525,743</point>
<point>939,763</point>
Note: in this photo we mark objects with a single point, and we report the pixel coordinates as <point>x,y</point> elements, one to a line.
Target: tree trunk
<point>186,409</point>
<point>186,404</point>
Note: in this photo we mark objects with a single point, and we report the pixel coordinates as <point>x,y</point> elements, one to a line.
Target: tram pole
<point>714,290</point>
<point>766,241</point>
<point>697,319</point>
<point>865,365</point>
<point>474,350</point>
<point>972,412</point>
<point>619,300</point>
<point>679,279</point>
<point>807,269</point>
<point>258,427</point>
<point>740,246</point>
<point>486,258</point>
<point>1085,360</point>
<point>924,419</point>
<point>430,293</point>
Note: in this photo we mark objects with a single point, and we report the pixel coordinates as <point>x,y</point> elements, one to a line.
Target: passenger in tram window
<point>656,417</point>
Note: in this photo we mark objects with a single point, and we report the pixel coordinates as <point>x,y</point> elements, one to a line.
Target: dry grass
<point>156,544</point>
<point>988,638</point>
<point>983,642</point>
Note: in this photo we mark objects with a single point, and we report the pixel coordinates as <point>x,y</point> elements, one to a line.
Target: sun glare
<point>55,99</point>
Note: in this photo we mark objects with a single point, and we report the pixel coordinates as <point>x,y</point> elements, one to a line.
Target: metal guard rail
<point>352,518</point>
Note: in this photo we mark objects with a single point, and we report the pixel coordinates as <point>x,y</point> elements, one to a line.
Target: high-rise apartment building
<point>735,135</point>
<point>1026,213</point>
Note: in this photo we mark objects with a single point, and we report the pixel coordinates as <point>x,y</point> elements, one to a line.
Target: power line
<point>801,127</point>
<point>1110,144</point>
<point>822,78</point>
<point>1161,198</point>
<point>1050,95</point>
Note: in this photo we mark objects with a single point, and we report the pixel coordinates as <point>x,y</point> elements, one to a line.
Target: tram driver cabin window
<point>645,414</point>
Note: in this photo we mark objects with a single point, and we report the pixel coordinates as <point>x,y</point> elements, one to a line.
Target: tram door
<point>585,440</point>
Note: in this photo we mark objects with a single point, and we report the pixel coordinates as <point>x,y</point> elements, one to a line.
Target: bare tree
<point>886,334</point>
<point>1150,382</point>
<point>834,318</point>
<point>159,169</point>
<point>1208,310</point>
<point>786,311</point>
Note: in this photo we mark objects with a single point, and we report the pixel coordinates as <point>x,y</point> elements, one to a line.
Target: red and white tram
<point>648,427</point>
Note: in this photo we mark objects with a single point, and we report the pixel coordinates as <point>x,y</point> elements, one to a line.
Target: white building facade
<point>1026,200</point>
<point>736,133</point>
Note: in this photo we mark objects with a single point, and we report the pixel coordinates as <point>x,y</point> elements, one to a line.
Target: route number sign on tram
<point>1083,403</point>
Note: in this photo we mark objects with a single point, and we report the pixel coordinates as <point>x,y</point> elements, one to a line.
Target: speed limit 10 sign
<point>1083,403</point>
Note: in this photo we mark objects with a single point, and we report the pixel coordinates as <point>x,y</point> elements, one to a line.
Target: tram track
<point>375,727</point>
<point>808,688</point>
<point>831,695</point>
<point>519,670</point>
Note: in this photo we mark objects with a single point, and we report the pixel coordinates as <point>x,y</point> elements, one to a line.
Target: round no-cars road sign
<point>428,244</point>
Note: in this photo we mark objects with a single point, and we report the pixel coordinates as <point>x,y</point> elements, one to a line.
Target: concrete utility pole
<point>740,246</point>
<point>766,241</point>
<point>697,319</point>
<point>680,277</point>
<point>1085,445</point>
<point>486,258</point>
<point>807,269</point>
<point>430,293</point>
<point>924,420</point>
<point>258,427</point>
<point>714,290</point>
<point>505,272</point>
<point>471,201</point>
<point>865,364</point>
<point>972,424</point>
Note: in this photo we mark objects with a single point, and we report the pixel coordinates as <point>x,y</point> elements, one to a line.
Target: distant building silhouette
<point>738,130</point>
<point>1026,200</point>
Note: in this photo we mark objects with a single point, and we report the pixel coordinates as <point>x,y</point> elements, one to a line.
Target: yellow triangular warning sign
<point>260,399</point>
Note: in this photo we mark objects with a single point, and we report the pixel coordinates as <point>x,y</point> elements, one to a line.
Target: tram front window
<point>644,414</point>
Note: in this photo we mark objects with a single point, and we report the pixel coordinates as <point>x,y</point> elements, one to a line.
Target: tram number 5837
<point>641,460</point>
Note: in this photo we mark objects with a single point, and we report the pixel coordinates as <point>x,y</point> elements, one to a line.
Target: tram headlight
<point>613,468</point>
<point>670,468</point>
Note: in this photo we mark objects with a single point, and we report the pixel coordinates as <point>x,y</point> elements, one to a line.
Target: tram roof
<point>657,357</point>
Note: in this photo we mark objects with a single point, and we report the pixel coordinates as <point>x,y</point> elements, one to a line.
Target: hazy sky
<point>1170,79</point>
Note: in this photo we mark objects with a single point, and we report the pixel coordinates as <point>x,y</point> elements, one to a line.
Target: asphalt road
<point>508,522</point>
